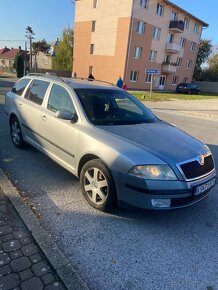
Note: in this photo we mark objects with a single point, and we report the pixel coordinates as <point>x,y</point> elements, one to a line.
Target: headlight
<point>158,172</point>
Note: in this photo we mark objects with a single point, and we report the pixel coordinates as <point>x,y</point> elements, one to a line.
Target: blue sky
<point>49,17</point>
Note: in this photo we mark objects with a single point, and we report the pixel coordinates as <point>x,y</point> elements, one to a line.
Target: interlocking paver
<point>10,281</point>
<point>11,246</point>
<point>41,268</point>
<point>29,250</point>
<point>26,274</point>
<point>4,270</point>
<point>32,284</point>
<point>4,259</point>
<point>4,230</point>
<point>22,264</point>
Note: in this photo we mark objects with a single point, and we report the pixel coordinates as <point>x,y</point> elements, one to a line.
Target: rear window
<point>36,91</point>
<point>20,86</point>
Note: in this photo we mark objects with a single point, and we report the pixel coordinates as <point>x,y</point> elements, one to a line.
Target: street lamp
<point>29,35</point>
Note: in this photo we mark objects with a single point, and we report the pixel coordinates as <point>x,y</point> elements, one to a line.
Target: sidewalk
<point>22,264</point>
<point>201,109</point>
<point>29,258</point>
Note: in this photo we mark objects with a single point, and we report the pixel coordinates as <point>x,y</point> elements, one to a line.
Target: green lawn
<point>164,96</point>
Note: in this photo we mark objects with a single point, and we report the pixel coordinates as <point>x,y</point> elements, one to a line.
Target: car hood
<point>160,139</point>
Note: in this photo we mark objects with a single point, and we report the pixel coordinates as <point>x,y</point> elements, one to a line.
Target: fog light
<point>161,202</point>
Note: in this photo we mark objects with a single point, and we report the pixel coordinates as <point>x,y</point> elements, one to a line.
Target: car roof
<point>74,83</point>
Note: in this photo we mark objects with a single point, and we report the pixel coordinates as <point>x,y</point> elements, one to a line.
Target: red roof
<point>11,53</point>
<point>3,50</point>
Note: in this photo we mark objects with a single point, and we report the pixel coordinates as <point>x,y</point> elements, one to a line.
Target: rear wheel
<point>98,185</point>
<point>16,133</point>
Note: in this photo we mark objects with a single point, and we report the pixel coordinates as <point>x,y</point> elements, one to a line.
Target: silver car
<point>121,152</point>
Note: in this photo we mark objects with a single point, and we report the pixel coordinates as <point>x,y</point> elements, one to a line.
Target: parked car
<point>121,152</point>
<point>187,88</point>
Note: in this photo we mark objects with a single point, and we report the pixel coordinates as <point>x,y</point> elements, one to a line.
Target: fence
<point>208,87</point>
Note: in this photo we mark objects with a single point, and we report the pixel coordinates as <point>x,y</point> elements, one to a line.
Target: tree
<point>63,53</point>
<point>205,49</point>
<point>19,65</point>
<point>41,45</point>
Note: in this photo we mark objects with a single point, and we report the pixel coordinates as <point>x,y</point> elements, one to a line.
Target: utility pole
<point>29,35</point>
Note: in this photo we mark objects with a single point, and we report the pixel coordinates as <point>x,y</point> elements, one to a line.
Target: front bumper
<point>137,192</point>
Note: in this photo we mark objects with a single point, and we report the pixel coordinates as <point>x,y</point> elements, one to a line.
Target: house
<point>43,60</point>
<point>7,57</point>
<point>126,38</point>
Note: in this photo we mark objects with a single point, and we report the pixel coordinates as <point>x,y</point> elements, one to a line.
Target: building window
<point>144,3</point>
<point>140,29</point>
<point>196,28</point>
<point>159,10</point>
<point>156,33</point>
<point>134,76</point>
<point>174,16</point>
<point>95,3</point>
<point>148,78</point>
<point>185,80</point>
<point>153,55</point>
<point>193,46</point>
<point>138,52</point>
<point>167,58</point>
<point>189,64</point>
<point>182,42</point>
<point>93,25</point>
<point>175,80</point>
<point>170,38</point>
<point>178,61</point>
<point>186,23</point>
<point>92,48</point>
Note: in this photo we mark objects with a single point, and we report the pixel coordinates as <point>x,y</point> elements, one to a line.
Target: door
<point>162,82</point>
<point>59,137</point>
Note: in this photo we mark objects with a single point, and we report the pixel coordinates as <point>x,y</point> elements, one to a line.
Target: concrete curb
<point>64,269</point>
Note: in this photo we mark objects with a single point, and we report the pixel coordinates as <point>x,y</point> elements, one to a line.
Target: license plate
<point>204,187</point>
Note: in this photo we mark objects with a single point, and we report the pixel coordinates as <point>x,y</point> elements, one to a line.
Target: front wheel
<point>16,133</point>
<point>97,185</point>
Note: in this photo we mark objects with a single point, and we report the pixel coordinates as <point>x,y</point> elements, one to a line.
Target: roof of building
<point>186,13</point>
<point>11,53</point>
<point>3,50</point>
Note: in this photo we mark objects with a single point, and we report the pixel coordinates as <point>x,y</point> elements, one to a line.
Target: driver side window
<point>59,99</point>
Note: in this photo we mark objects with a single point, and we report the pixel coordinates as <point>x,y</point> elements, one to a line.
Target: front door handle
<point>44,118</point>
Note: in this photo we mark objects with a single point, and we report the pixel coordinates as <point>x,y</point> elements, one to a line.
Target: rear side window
<point>36,91</point>
<point>59,99</point>
<point>20,86</point>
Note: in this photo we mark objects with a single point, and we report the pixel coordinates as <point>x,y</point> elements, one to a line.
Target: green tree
<point>19,65</point>
<point>41,45</point>
<point>63,53</point>
<point>205,49</point>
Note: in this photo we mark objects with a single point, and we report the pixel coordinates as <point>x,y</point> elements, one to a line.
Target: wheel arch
<point>12,115</point>
<point>84,159</point>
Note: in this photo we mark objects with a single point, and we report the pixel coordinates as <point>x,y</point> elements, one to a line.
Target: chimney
<point>19,47</point>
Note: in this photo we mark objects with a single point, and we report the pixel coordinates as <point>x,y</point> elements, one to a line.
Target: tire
<point>16,133</point>
<point>98,186</point>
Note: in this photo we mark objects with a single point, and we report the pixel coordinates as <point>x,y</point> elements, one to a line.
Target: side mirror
<point>66,115</point>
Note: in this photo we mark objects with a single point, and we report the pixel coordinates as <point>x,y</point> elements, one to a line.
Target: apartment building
<point>127,37</point>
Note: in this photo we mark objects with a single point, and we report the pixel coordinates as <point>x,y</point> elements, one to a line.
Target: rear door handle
<point>20,105</point>
<point>44,118</point>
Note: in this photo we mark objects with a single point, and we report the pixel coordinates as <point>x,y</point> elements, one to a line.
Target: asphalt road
<point>127,249</point>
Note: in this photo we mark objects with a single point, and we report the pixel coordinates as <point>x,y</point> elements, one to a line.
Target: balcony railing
<point>173,47</point>
<point>168,68</point>
<point>176,26</point>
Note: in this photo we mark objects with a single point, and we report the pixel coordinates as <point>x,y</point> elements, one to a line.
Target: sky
<point>48,18</point>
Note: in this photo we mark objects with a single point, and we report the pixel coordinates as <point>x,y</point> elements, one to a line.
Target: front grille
<point>194,169</point>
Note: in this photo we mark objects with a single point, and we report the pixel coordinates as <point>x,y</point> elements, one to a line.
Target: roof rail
<point>47,75</point>
<point>94,80</point>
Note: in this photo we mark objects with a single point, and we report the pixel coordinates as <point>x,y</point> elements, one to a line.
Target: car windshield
<point>113,107</point>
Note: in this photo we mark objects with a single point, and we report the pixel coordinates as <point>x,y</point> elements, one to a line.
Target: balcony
<point>168,68</point>
<point>176,26</point>
<point>173,48</point>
